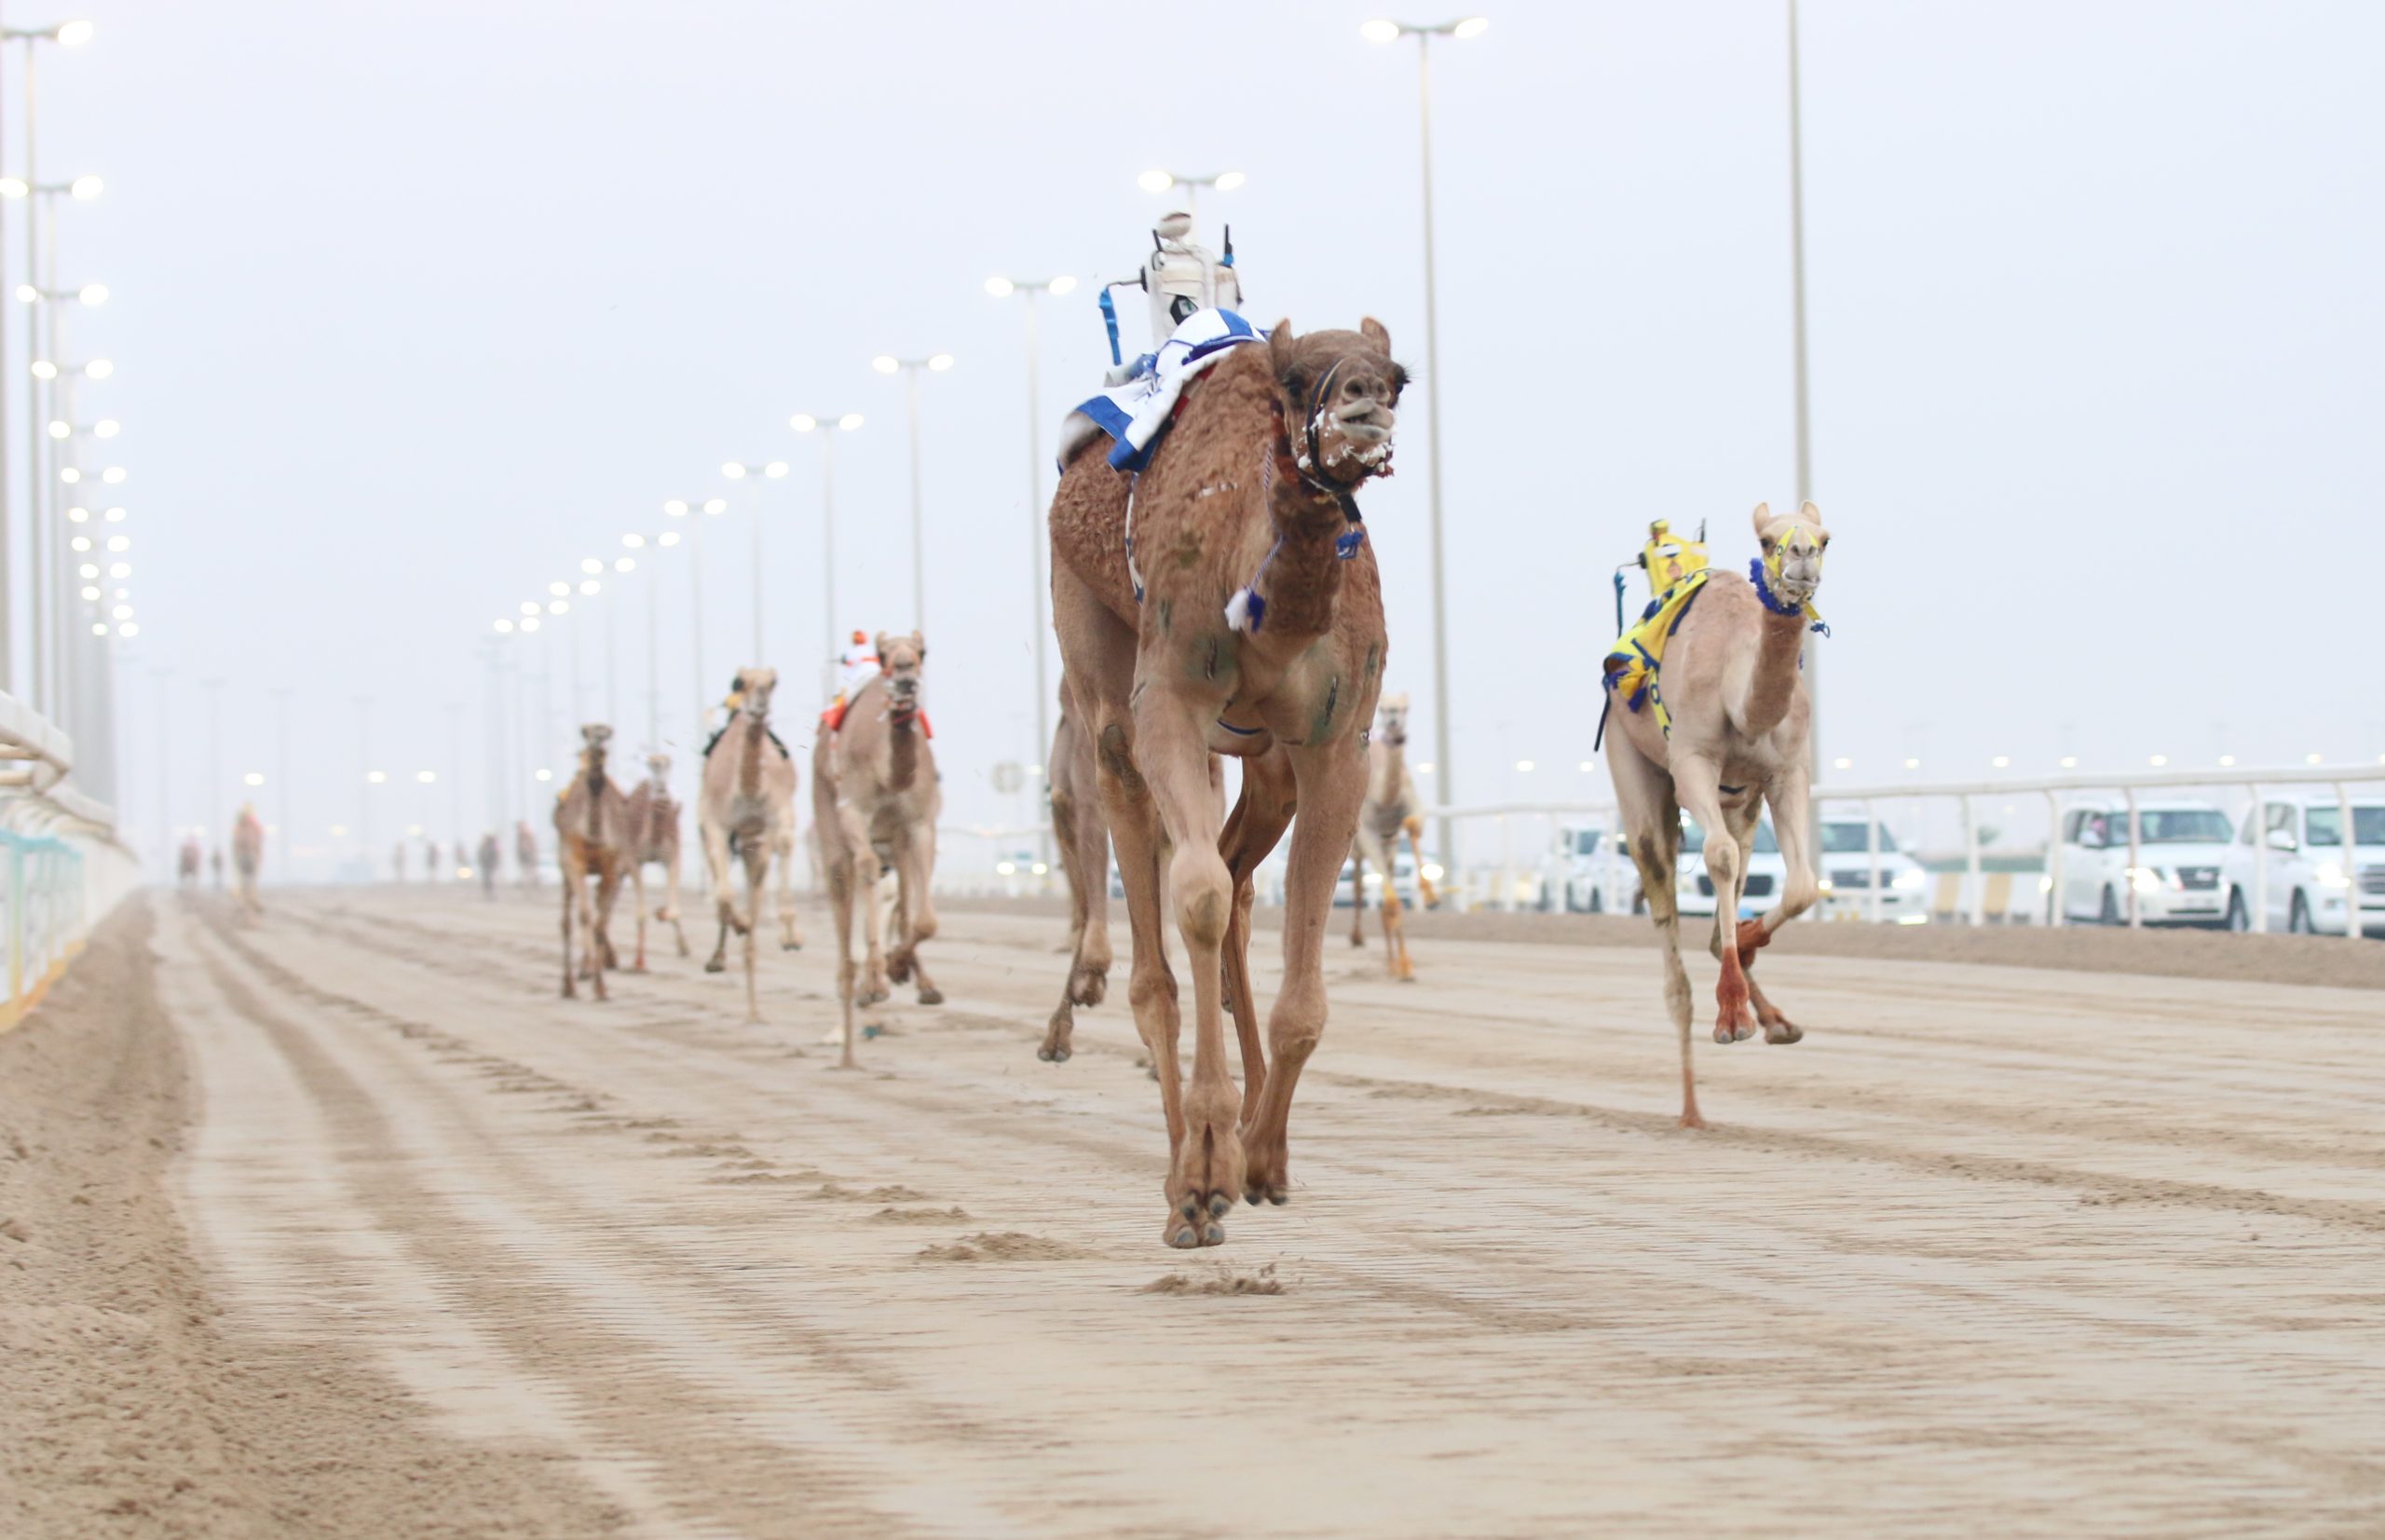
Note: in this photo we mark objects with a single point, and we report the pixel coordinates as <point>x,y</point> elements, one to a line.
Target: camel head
<point>1394,712</point>
<point>754,684</point>
<point>594,737</point>
<point>900,658</point>
<point>1339,399</point>
<point>1793,554</point>
<point>657,768</point>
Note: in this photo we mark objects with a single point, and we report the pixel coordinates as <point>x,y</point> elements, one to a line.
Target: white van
<point>2184,853</point>
<point>1846,872</point>
<point>2308,885</point>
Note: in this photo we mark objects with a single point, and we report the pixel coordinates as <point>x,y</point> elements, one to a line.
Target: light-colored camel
<point>745,809</point>
<point>1740,720</point>
<point>248,860</point>
<point>1083,841</point>
<point>1247,497</point>
<point>1392,808</point>
<point>592,840</point>
<point>654,837</point>
<point>525,850</point>
<point>875,800</point>
<point>488,862</point>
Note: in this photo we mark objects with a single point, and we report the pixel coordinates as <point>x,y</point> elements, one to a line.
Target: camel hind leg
<point>571,880</point>
<point>637,901</point>
<point>1357,897</point>
<point>1697,784</point>
<point>608,887</point>
<point>1413,827</point>
<point>716,857</point>
<point>790,936</point>
<point>914,867</point>
<point>754,853</point>
<point>1791,822</point>
<point>839,865</point>
<point>670,910</point>
<point>1264,811</point>
<point>1651,820</point>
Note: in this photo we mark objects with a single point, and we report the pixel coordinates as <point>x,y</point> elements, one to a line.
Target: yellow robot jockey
<point>1677,568</point>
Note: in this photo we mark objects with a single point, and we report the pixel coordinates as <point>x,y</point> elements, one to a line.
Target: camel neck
<point>1774,683</point>
<point>1304,570</point>
<point>901,750</point>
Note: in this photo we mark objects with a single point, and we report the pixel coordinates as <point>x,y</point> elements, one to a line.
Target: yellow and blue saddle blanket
<point>1639,654</point>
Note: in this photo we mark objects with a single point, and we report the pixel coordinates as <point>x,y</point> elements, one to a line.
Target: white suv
<point>2308,885</point>
<point>1845,864</point>
<point>2184,855</point>
<point>1581,875</point>
<point>1694,890</point>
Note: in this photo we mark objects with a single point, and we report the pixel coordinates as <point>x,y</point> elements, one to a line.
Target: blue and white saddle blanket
<point>1136,412</point>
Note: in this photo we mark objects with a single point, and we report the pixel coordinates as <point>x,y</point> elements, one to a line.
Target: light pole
<point>886,364</point>
<point>1161,181</point>
<point>635,541</point>
<point>1391,31</point>
<point>281,776</point>
<point>845,422</point>
<point>679,507</point>
<point>68,35</point>
<point>41,578</point>
<point>738,470</point>
<point>1805,439</point>
<point>1037,540</point>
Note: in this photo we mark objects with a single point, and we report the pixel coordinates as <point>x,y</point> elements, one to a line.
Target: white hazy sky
<point>417,304</point>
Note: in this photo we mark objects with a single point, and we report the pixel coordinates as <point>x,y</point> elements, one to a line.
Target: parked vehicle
<point>1846,862</point>
<point>1694,890</point>
<point>2309,888</point>
<point>1580,874</point>
<point>2184,855</point>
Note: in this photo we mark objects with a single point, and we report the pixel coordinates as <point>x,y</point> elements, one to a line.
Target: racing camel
<point>1083,842</point>
<point>1259,632</point>
<point>746,809</point>
<point>1392,808</point>
<point>653,834</point>
<point>874,801</point>
<point>248,860</point>
<point>1717,725</point>
<point>592,830</point>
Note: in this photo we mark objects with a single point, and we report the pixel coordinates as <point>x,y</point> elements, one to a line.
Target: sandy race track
<point>1995,1250</point>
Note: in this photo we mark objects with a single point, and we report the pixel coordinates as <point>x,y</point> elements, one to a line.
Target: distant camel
<point>654,835</point>
<point>248,859</point>
<point>1391,806</point>
<point>186,864</point>
<point>525,850</point>
<point>745,804</point>
<point>874,801</point>
<point>592,820</point>
<point>488,856</point>
<point>1725,731</point>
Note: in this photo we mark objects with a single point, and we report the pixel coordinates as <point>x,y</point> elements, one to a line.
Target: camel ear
<point>1279,349</point>
<point>1763,517</point>
<point>919,644</point>
<point>1807,511</point>
<point>879,647</point>
<point>1377,336</point>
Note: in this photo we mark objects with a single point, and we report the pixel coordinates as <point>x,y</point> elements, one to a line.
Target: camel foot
<point>1735,1022</point>
<point>1778,1028</point>
<point>716,966</point>
<point>1206,1175</point>
<point>1088,987</point>
<point>931,996</point>
<point>1690,1119</point>
<point>790,946</point>
<point>1265,1174</point>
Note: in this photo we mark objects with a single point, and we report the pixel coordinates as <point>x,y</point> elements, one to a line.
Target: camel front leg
<point>1793,806</point>
<point>1382,855</point>
<point>1697,783</point>
<point>1357,896</point>
<point>790,936</point>
<point>1413,827</point>
<point>637,901</point>
<point>571,880</point>
<point>838,867</point>
<point>669,910</point>
<point>1331,783</point>
<point>1650,819</point>
<point>914,861</point>
<point>1269,798</point>
<point>1206,1173</point>
<point>1084,844</point>
<point>716,841</point>
<point>608,888</point>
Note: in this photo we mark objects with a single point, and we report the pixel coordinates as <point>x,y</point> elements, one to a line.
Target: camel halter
<point>1768,566</point>
<point>1246,611</point>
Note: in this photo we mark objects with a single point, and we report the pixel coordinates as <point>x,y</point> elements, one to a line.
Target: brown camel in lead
<point>875,800</point>
<point>591,828</point>
<point>653,834</point>
<point>1738,740</point>
<point>1247,495</point>
<point>746,801</point>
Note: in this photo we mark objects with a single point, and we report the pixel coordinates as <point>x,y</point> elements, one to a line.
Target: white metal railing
<point>61,867</point>
<point>2131,786</point>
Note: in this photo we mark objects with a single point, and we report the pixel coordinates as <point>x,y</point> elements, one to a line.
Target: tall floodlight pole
<point>886,364</point>
<point>1161,181</point>
<point>738,470</point>
<point>1804,434</point>
<point>1445,788</point>
<point>69,33</point>
<point>679,507</point>
<point>1038,540</point>
<point>819,422</point>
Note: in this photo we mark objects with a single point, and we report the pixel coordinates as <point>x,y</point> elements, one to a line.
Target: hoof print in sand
<point>1011,1245</point>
